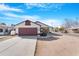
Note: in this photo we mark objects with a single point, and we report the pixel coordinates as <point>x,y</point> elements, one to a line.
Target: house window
<point>6,30</point>
<point>27,22</point>
<point>41,30</point>
<point>1,30</point>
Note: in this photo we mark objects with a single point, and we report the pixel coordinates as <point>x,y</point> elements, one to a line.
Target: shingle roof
<point>40,23</point>
<point>26,20</point>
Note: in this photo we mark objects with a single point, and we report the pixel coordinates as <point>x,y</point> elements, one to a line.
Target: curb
<point>35,47</point>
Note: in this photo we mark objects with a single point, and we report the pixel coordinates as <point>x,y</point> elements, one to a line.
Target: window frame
<point>1,30</point>
<point>27,23</point>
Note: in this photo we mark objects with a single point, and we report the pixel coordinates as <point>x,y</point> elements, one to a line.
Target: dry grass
<point>5,38</point>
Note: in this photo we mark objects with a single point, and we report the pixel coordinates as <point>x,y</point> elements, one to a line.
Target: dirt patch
<point>5,38</point>
<point>64,46</point>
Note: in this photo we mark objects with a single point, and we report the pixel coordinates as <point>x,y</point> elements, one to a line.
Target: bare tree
<point>69,23</point>
<point>76,22</point>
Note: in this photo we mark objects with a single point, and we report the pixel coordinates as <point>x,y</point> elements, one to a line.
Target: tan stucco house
<point>74,29</point>
<point>27,28</point>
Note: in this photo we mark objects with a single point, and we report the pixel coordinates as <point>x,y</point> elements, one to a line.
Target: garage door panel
<point>27,31</point>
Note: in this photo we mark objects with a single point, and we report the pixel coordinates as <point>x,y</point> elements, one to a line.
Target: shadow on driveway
<point>28,37</point>
<point>43,38</point>
<point>49,37</point>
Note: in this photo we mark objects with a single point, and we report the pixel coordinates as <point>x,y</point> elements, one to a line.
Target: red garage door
<point>27,31</point>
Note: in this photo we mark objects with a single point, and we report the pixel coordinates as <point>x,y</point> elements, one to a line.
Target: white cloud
<point>11,15</point>
<point>32,18</point>
<point>52,22</point>
<point>4,7</point>
<point>23,17</point>
<point>31,5</point>
<point>44,6</point>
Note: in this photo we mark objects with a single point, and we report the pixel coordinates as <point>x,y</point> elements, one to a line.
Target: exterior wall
<point>73,31</point>
<point>46,29</point>
<point>22,25</point>
<point>43,25</point>
<point>2,33</point>
<point>50,29</point>
<point>70,30</point>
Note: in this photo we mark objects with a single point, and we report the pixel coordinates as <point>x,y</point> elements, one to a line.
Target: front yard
<point>53,45</point>
<point>3,38</point>
<point>58,45</point>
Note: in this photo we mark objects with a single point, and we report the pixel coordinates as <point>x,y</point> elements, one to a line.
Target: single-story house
<point>74,29</point>
<point>4,30</point>
<point>30,28</point>
<point>27,28</point>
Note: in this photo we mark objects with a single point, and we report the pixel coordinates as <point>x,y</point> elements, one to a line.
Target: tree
<point>61,28</point>
<point>76,22</point>
<point>56,29</point>
<point>69,23</point>
<point>3,24</point>
<point>12,25</point>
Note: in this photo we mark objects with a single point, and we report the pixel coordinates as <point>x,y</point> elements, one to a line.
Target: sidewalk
<point>18,46</point>
<point>74,34</point>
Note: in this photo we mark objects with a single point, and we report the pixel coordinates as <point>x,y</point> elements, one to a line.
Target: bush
<point>65,31</point>
<point>43,34</point>
<point>61,28</point>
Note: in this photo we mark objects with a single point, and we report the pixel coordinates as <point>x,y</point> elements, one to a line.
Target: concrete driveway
<point>18,46</point>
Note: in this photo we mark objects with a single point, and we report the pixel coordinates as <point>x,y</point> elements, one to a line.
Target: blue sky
<point>52,14</point>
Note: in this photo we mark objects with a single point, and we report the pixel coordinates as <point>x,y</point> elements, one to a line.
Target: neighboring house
<point>27,28</point>
<point>74,29</point>
<point>44,26</point>
<point>3,29</point>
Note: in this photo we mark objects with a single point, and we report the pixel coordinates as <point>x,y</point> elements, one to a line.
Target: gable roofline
<point>42,23</point>
<point>25,21</point>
